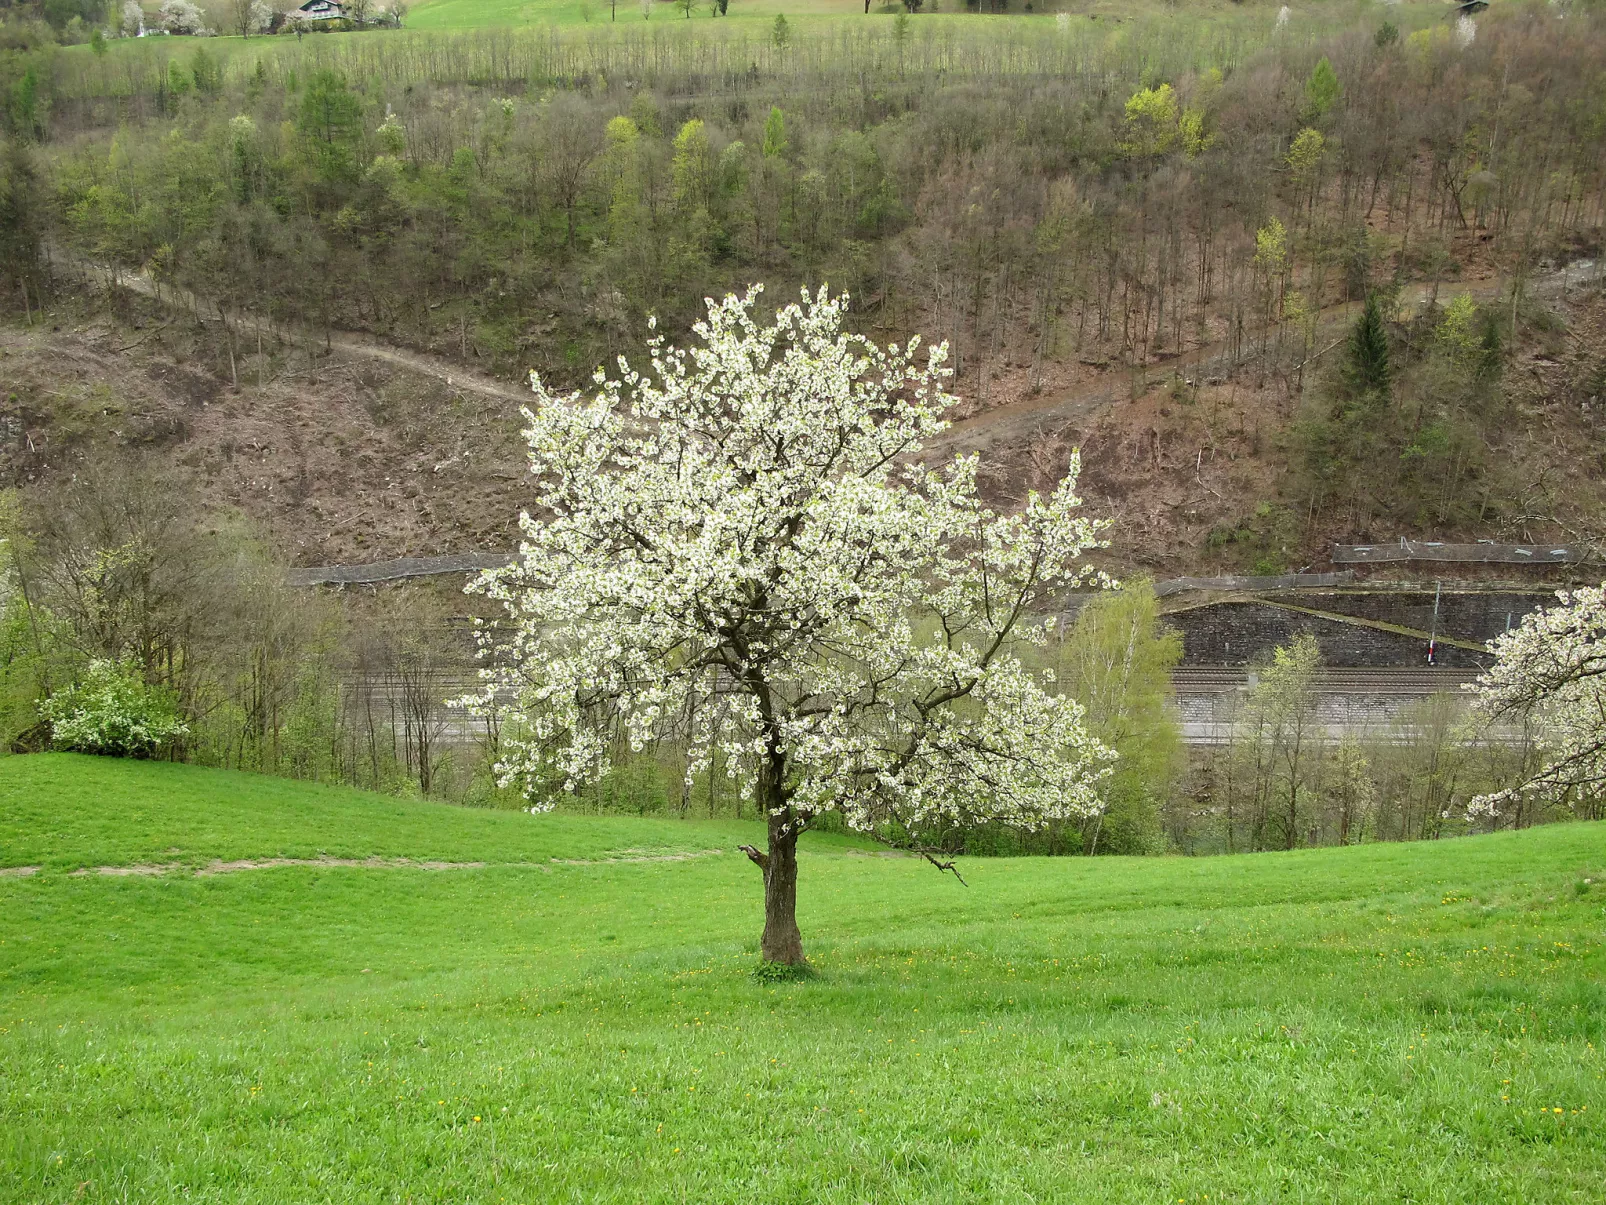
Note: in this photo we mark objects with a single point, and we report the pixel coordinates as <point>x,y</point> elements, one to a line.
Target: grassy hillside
<point>1385,1023</point>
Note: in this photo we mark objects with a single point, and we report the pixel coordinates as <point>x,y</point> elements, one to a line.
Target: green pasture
<point>575,1019</point>
<point>478,41</point>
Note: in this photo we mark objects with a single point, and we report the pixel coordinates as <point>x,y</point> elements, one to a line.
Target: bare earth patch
<point>368,863</point>
<point>17,872</point>
<point>123,871</point>
<point>220,867</point>
<point>632,855</point>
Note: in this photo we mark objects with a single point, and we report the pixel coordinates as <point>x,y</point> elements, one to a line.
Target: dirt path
<point>1014,420</point>
<point>455,376</point>
<point>216,867</point>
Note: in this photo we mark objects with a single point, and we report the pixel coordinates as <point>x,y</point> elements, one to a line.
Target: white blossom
<point>113,712</point>
<point>182,17</point>
<point>738,549</point>
<point>1551,669</point>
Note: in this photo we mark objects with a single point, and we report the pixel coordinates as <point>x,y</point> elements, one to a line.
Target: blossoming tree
<point>1551,668</point>
<point>737,550</point>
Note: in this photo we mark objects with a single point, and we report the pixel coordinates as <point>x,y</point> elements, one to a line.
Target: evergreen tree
<point>1322,89</point>
<point>1368,368</point>
<point>774,133</point>
<point>1491,348</point>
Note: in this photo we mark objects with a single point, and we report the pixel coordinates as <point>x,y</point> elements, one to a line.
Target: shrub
<point>114,713</point>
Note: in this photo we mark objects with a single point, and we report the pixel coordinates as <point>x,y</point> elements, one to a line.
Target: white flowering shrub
<point>1551,670</point>
<point>739,549</point>
<point>113,712</point>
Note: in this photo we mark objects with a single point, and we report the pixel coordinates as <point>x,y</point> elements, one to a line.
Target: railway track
<point>1373,703</point>
<point>1411,681</point>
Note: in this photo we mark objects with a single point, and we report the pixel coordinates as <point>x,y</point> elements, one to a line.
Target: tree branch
<point>756,856</point>
<point>950,866</point>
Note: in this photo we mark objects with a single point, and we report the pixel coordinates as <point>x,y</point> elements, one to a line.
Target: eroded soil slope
<point>361,452</point>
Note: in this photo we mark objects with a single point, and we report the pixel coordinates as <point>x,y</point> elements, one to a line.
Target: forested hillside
<point>1149,236</point>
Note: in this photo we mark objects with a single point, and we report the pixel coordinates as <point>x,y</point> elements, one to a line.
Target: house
<point>322,10</point>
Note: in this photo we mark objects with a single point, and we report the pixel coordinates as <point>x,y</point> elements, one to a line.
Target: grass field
<point>1415,1023</point>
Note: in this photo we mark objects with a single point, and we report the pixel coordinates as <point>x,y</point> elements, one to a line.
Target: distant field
<point>475,14</point>
<point>1417,1023</point>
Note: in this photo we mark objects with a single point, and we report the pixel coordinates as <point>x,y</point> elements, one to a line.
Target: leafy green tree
<point>1457,333</point>
<point>649,118</point>
<point>774,133</point>
<point>1280,731</point>
<point>1305,153</point>
<point>179,81</point>
<point>692,166</point>
<point>1151,122</point>
<point>1117,662</point>
<point>781,32</point>
<point>619,162</point>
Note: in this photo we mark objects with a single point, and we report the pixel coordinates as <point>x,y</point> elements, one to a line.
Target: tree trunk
<point>782,941</point>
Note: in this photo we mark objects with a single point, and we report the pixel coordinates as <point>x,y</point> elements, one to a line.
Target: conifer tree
<point>1368,368</point>
<point>1322,89</point>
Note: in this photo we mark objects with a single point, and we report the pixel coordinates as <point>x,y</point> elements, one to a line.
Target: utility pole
<point>1433,634</point>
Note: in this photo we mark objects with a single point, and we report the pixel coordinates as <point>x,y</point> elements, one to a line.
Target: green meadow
<point>563,1009</point>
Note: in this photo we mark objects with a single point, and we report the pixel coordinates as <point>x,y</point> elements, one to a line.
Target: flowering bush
<point>1551,670</point>
<point>113,712</point>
